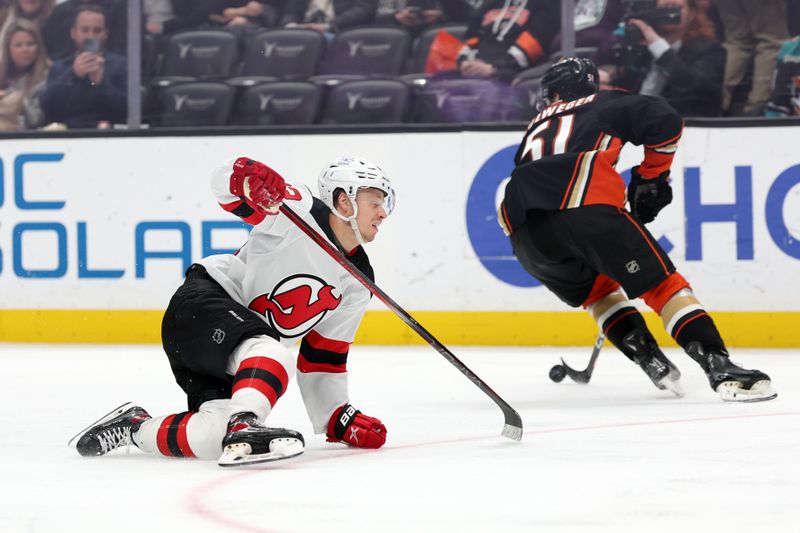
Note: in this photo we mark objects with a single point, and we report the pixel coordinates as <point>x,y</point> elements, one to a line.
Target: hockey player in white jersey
<point>229,328</point>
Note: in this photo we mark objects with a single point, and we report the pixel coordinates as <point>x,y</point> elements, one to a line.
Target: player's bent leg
<point>110,431</point>
<point>261,368</point>
<point>694,330</point>
<point>187,434</point>
<point>625,327</point>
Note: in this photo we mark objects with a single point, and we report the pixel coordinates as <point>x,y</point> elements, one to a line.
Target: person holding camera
<point>670,51</point>
<point>89,89</point>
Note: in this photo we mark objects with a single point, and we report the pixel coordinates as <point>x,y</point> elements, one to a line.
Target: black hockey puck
<point>557,373</point>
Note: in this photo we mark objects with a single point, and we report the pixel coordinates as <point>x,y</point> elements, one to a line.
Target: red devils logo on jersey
<point>297,304</point>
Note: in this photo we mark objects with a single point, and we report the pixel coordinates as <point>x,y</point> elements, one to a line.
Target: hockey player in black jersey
<point>228,329</point>
<point>564,209</point>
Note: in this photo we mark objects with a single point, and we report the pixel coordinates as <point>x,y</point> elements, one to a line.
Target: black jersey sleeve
<point>639,119</point>
<point>646,120</point>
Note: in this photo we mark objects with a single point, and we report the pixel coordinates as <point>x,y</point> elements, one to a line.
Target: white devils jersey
<point>285,278</point>
<point>289,281</point>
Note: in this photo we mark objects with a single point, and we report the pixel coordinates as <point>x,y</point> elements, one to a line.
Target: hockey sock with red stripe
<point>258,379</point>
<point>698,326</point>
<point>166,435</point>
<point>617,318</point>
<point>687,321</point>
<point>621,323</point>
<point>172,439</point>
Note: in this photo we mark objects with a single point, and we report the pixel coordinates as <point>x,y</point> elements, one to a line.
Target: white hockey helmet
<point>352,174</point>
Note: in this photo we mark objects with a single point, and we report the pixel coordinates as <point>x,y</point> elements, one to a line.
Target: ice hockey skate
<point>661,371</point>
<point>249,442</point>
<point>732,382</point>
<point>111,431</point>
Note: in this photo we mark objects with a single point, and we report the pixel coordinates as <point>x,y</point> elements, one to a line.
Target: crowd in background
<point>65,62</point>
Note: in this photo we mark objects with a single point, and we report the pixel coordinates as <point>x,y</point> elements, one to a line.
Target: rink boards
<point>96,233</point>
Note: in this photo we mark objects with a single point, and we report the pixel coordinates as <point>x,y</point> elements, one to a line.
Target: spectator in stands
<point>754,31</point>
<point>682,63</point>
<point>57,30</point>
<point>247,13</point>
<point>88,89</point>
<point>785,99</point>
<point>23,72</point>
<point>505,37</point>
<point>164,17</point>
<point>418,15</point>
<point>328,16</point>
<point>35,11</point>
<point>711,11</point>
<point>595,20</point>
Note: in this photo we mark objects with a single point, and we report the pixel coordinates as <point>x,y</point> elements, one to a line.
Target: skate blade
<point>672,383</point>
<point>105,418</point>
<point>732,391</point>
<point>240,454</point>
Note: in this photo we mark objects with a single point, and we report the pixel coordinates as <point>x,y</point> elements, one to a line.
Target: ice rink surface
<point>616,455</point>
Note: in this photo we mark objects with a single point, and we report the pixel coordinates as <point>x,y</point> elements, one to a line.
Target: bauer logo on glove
<point>349,426</point>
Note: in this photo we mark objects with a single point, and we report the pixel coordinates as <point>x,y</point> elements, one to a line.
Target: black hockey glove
<point>648,196</point>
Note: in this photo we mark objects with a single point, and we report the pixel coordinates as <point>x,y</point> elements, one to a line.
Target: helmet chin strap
<point>354,225</point>
<point>352,220</point>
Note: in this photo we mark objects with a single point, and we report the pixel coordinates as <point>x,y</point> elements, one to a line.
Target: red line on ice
<point>195,499</point>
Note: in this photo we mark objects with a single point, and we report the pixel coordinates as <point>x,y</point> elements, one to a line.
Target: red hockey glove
<point>648,196</point>
<point>261,185</point>
<point>348,425</point>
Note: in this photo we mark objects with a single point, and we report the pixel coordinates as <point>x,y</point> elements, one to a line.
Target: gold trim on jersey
<point>503,221</point>
<point>582,179</point>
<point>668,149</point>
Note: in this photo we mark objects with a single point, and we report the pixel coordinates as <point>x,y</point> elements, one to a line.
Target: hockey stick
<point>558,372</point>
<point>513,422</point>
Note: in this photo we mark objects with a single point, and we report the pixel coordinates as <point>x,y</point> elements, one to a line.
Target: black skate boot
<point>249,442</point>
<point>646,353</point>
<point>111,431</point>
<point>732,382</point>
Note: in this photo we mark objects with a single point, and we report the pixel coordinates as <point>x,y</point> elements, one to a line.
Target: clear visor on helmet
<point>388,197</point>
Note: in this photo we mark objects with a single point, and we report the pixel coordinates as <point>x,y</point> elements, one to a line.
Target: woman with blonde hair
<point>23,73</point>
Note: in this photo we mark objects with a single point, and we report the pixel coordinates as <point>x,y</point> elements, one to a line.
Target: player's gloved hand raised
<point>648,196</point>
<point>262,186</point>
<point>348,425</point>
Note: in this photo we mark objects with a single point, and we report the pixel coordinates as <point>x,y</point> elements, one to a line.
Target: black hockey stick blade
<point>513,422</point>
<point>583,376</point>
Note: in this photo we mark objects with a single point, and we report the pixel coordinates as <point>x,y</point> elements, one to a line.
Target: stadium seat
<point>278,103</point>
<point>422,45</point>
<point>203,54</point>
<point>154,89</point>
<point>283,53</point>
<point>367,102</point>
<point>458,100</point>
<point>194,104</point>
<point>368,51</point>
